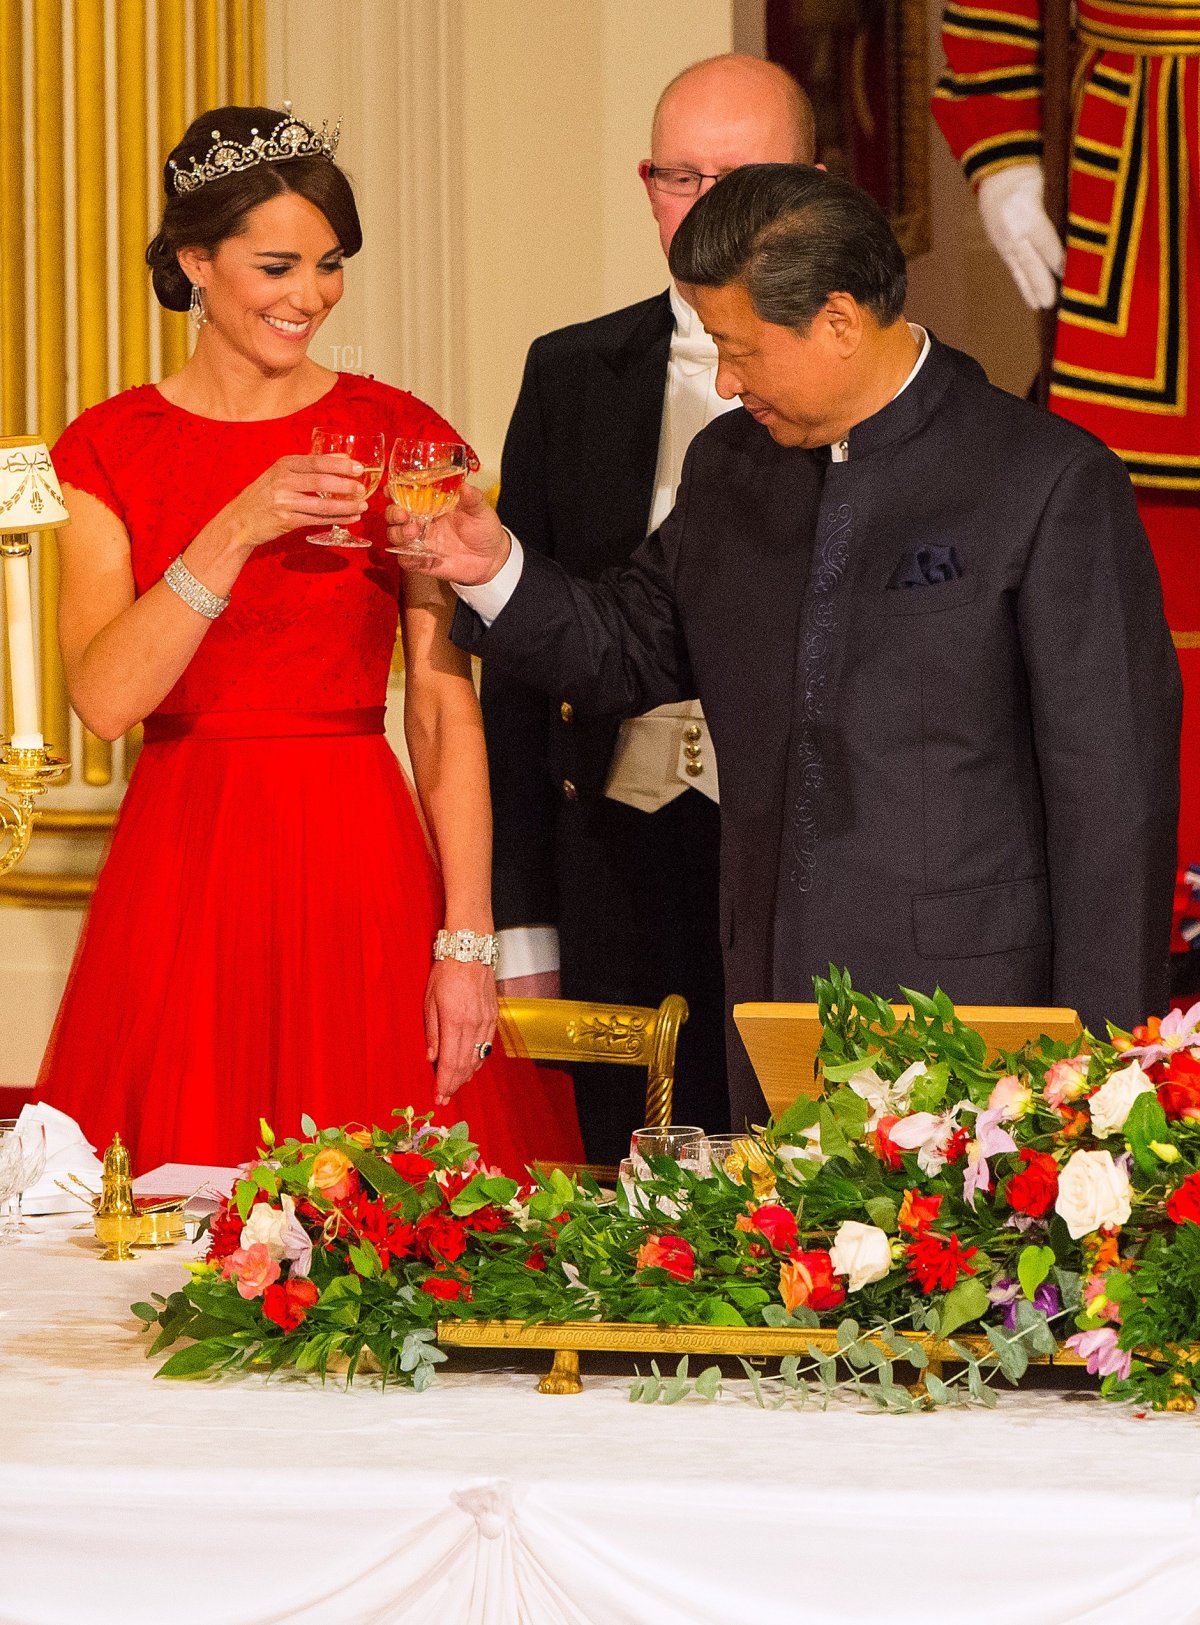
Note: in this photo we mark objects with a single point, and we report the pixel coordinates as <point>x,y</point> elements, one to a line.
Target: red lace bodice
<point>307,628</point>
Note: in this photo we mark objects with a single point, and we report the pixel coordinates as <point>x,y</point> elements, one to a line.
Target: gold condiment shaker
<point>117,1221</point>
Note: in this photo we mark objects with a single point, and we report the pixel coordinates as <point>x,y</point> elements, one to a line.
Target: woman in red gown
<point>261,935</point>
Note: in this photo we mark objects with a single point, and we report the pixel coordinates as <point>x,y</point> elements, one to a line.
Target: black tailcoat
<point>633,894</point>
<point>943,683</point>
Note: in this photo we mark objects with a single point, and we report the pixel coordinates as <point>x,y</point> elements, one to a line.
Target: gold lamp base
<point>27,774</point>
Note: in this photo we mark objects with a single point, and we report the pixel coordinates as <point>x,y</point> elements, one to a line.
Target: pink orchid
<point>1180,1029</point>
<point>1099,1349</point>
<point>990,1140</point>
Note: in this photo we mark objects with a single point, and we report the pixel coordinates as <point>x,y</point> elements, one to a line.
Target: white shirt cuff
<point>488,600</point>
<point>526,950</point>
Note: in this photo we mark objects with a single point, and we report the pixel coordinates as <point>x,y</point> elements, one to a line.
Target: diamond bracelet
<point>194,593</point>
<point>466,946</point>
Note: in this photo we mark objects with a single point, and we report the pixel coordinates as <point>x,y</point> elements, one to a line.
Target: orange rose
<point>360,1136</point>
<point>807,1278</point>
<point>332,1174</point>
<point>670,1253</point>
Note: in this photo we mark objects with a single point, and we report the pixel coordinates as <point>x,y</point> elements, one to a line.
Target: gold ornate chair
<point>574,1030</point>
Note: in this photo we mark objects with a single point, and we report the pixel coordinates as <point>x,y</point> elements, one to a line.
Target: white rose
<point>1092,1191</point>
<point>268,1225</point>
<point>1111,1103</point>
<point>861,1251</point>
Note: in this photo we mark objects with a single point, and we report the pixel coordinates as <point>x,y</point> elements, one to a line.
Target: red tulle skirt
<point>258,946</point>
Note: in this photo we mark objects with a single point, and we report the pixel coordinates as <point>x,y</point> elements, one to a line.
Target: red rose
<point>807,1278</point>
<point>287,1302</point>
<point>445,1286</point>
<point>486,1219</point>
<point>670,1253</point>
<point>918,1212</point>
<point>774,1221</point>
<point>1033,1190</point>
<point>937,1261</point>
<point>1180,1099</point>
<point>536,1260</point>
<point>441,1236</point>
<point>1183,1204</point>
<point>410,1165</point>
<point>887,1153</point>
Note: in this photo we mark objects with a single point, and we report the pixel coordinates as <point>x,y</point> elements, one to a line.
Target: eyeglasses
<point>675,182</point>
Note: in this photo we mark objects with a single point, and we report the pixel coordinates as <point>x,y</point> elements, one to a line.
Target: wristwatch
<point>466,946</point>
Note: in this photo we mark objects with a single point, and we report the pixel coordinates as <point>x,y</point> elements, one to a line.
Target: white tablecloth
<point>244,1501</point>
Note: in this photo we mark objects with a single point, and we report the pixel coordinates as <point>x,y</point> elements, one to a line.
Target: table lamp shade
<point>29,495</point>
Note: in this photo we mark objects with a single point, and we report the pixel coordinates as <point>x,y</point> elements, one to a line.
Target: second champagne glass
<point>424,478</point>
<point>367,449</point>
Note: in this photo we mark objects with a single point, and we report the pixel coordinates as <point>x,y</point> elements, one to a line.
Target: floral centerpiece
<point>1050,1195</point>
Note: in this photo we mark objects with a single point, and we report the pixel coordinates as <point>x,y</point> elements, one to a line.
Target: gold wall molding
<point>93,95</point>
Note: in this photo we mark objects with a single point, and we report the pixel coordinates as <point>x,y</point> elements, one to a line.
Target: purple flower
<point>1007,1293</point>
<point>1099,1349</point>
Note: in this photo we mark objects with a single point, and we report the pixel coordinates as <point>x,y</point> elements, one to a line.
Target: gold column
<point>208,56</point>
<point>12,244</point>
<point>172,121</point>
<point>237,53</point>
<point>91,257</point>
<point>12,220</point>
<point>49,240</point>
<point>132,204</point>
<point>258,51</point>
<point>132,201</point>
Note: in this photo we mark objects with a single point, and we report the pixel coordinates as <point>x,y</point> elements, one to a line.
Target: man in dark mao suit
<point>607,832</point>
<point>923,620</point>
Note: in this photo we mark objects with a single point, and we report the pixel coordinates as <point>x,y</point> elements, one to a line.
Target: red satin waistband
<point>162,727</point>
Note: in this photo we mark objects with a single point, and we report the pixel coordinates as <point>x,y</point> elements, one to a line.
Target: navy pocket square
<point>929,566</point>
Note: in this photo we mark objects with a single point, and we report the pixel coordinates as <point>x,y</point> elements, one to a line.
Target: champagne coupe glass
<point>30,1165</point>
<point>683,1143</point>
<point>367,449</point>
<point>424,478</point>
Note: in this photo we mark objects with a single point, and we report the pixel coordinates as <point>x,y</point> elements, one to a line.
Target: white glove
<point>1022,233</point>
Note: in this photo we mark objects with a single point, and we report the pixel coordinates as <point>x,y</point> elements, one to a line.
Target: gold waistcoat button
<point>692,732</point>
<point>567,711</point>
<point>570,793</point>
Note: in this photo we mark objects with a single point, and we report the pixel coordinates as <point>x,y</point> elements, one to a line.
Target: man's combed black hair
<point>791,236</point>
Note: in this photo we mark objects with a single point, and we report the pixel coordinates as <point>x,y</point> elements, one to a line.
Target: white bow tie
<point>695,352</point>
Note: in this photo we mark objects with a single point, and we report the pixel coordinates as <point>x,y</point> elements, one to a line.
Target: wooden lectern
<point>783,1039</point>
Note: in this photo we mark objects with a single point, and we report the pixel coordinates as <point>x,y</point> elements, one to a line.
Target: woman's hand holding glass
<point>366,450</point>
<point>296,493</point>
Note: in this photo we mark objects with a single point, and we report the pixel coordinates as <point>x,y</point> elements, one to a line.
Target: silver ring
<point>483,1050</point>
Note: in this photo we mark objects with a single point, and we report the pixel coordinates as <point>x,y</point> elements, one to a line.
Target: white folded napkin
<point>67,1152</point>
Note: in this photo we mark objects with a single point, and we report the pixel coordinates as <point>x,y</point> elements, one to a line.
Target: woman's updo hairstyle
<point>206,216</point>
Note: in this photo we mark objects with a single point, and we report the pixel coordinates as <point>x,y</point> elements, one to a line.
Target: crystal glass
<point>683,1143</point>
<point>31,1164</point>
<point>424,478</point>
<point>366,448</point>
<point>724,1148</point>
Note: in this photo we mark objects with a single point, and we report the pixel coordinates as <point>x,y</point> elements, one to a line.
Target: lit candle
<point>25,734</point>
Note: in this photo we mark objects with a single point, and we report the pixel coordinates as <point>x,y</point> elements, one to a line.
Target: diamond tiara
<point>291,138</point>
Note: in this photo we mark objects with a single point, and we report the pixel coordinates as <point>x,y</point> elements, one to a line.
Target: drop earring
<point>196,310</point>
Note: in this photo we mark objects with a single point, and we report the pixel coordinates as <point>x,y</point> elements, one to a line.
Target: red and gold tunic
<point>1123,367</point>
